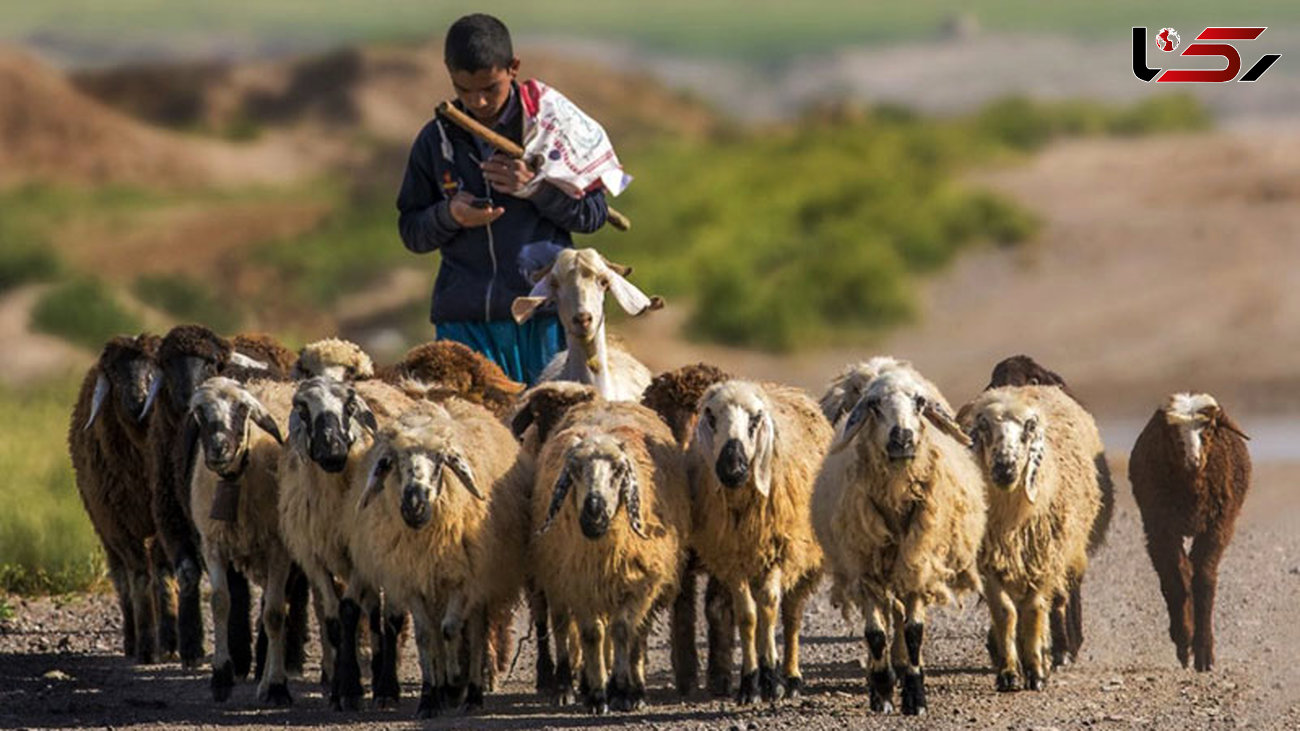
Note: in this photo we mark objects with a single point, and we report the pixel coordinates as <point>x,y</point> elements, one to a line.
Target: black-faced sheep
<point>756,452</point>
<point>233,493</point>
<point>899,510</point>
<point>606,571</point>
<point>107,442</point>
<point>1038,448</point>
<point>420,535</point>
<point>1021,370</point>
<point>1190,471</point>
<point>577,283</point>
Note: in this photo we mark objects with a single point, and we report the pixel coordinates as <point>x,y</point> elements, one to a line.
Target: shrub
<point>83,311</point>
<point>187,300</point>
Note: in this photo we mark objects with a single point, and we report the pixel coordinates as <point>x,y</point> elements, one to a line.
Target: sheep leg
<point>121,578</point>
<point>721,637</point>
<point>325,600</point>
<point>347,691</point>
<point>1207,550</point>
<point>240,632</point>
<point>898,648</point>
<point>1060,630</point>
<point>624,693</point>
<point>567,657</point>
<point>1175,572</point>
<point>791,624</point>
<point>881,676</point>
<point>430,699</point>
<point>1002,614</point>
<point>163,584</point>
<point>223,668</point>
<point>189,616</point>
<point>746,612</point>
<point>274,686</point>
<point>593,666</point>
<point>1030,631</point>
<point>142,614</point>
<point>453,635</point>
<point>296,632</point>
<point>913,699</point>
<point>476,629</point>
<point>685,656</point>
<point>385,630</point>
<point>1074,619</point>
<point>768,600</point>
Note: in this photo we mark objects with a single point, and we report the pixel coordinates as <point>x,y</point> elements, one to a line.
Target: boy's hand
<point>506,174</point>
<point>461,207</point>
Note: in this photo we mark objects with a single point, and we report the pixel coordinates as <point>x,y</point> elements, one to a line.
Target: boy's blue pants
<point>522,351</point>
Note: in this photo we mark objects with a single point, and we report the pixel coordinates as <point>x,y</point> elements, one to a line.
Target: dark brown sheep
<point>456,368</point>
<point>1022,370</point>
<point>106,440</point>
<point>1190,471</point>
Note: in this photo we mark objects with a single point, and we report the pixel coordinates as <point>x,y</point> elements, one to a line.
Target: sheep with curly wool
<point>605,571</point>
<point>1190,470</point>
<point>898,508</point>
<point>342,360</point>
<point>451,368</point>
<point>1037,447</point>
<point>845,389</point>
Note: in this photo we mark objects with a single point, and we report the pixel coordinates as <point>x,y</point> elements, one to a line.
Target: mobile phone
<point>481,203</point>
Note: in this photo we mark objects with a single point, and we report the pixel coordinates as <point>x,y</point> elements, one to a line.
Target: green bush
<point>46,542</point>
<point>187,300</point>
<point>83,311</point>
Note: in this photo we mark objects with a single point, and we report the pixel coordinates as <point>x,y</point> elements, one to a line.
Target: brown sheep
<point>1190,471</point>
<point>459,370</point>
<point>1021,370</point>
<point>107,442</point>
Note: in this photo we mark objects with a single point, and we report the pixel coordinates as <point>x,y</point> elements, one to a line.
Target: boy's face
<point>484,92</point>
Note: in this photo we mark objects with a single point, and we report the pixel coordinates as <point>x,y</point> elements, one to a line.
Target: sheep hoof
<point>1008,682</point>
<point>1035,681</point>
<point>1184,656</point>
<point>913,694</point>
<point>882,691</point>
<point>598,702</point>
<point>793,687</point>
<point>749,690</point>
<point>1204,665</point>
<point>277,694</point>
<point>223,681</point>
<point>626,697</point>
<point>429,705</point>
<point>770,685</point>
<point>452,695</point>
<point>1060,659</point>
<point>720,685</point>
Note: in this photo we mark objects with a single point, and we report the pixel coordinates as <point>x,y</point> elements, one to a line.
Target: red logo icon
<point>1167,40</point>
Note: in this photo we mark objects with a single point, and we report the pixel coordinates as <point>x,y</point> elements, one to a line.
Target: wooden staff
<point>511,149</point>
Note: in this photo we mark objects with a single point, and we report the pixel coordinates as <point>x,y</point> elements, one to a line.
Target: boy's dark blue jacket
<point>480,274</point>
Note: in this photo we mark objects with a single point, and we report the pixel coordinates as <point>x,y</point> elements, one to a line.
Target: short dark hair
<point>477,42</point>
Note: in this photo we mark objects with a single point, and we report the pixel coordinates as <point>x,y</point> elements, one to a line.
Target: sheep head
<point>1192,414</point>
<point>127,370</point>
<point>416,451</point>
<point>890,417</point>
<point>1021,370</point>
<point>341,360</point>
<point>1010,440</point>
<point>187,356</point>
<point>736,432</point>
<point>846,389</point>
<point>328,417</point>
<point>544,406</point>
<point>221,411</point>
<point>601,476</point>
<point>576,283</point>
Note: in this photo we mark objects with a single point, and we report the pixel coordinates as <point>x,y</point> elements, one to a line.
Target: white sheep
<point>419,534</point>
<point>577,282</point>
<point>605,571</point>
<point>899,510</point>
<point>1038,448</point>
<point>756,452</point>
<point>233,495</point>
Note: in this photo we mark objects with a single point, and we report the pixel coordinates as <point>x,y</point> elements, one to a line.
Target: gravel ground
<point>59,667</point>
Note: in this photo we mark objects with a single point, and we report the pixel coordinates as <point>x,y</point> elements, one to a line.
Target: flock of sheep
<point>438,489</point>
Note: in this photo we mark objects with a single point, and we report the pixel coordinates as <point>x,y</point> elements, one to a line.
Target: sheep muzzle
<point>594,517</point>
<point>732,466</point>
<point>416,511</point>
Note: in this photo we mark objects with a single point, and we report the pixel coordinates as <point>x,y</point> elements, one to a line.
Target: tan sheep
<point>1037,447</point>
<point>899,510</point>
<point>756,452</point>
<point>342,360</point>
<point>609,572</point>
<point>233,494</point>
<point>420,537</point>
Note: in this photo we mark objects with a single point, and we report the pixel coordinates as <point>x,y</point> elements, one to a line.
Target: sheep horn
<point>562,486</point>
<point>154,388</point>
<point>97,400</point>
<point>458,465</point>
<point>1226,422</point>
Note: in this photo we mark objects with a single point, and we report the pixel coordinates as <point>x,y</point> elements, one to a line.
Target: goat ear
<point>764,448</point>
<point>523,308</point>
<point>375,481</point>
<point>1226,422</point>
<point>940,417</point>
<point>630,491</point>
<point>630,298</point>
<point>458,465</point>
<point>562,485</point>
<point>851,425</point>
<point>97,399</point>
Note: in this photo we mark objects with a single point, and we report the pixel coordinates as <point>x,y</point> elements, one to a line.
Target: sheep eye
<point>920,403</point>
<point>753,424</point>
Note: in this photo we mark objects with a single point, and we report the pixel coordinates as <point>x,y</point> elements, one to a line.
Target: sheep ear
<point>704,434</point>
<point>97,400</point>
<point>263,418</point>
<point>1227,422</point>
<point>458,465</point>
<point>365,415</point>
<point>948,425</point>
<point>632,300</point>
<point>296,424</point>
<point>375,481</point>
<point>852,424</point>
<point>1033,459</point>
<point>154,388</point>
<point>764,447</point>
<point>562,486</point>
<point>630,492</point>
<point>523,419</point>
<point>239,359</point>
